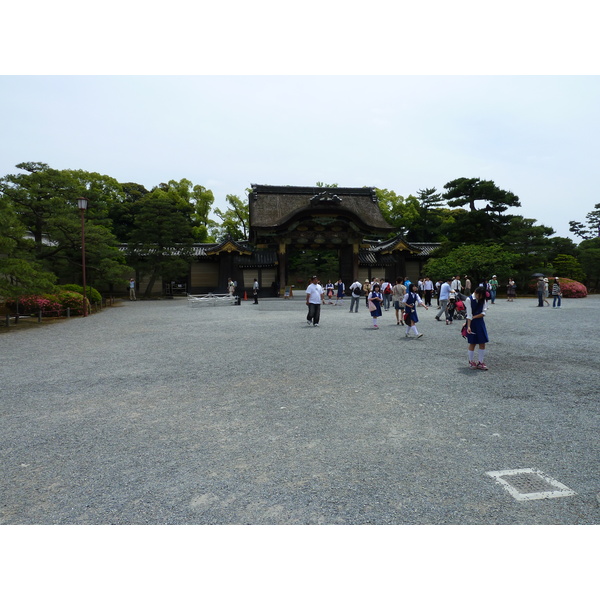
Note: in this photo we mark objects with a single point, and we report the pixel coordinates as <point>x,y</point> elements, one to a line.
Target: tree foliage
<point>479,261</point>
<point>591,228</point>
<point>478,223</point>
<point>235,221</point>
<point>160,243</point>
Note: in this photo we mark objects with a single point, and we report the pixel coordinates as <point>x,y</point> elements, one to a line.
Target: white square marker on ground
<point>530,484</point>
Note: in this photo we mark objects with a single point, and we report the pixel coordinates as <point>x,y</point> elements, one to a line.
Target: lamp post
<point>82,202</point>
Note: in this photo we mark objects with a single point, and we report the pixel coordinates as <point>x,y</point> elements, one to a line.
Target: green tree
<point>589,257</point>
<point>45,201</point>
<point>531,244</point>
<point>160,243</point>
<point>203,201</point>
<point>19,273</point>
<point>431,216</point>
<point>122,212</point>
<point>477,224</point>
<point>565,265</point>
<point>591,228</point>
<point>480,261</point>
<point>235,220</point>
<point>398,211</point>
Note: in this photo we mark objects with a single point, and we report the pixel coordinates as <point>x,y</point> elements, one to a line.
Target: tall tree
<point>20,273</point>
<point>478,223</point>
<point>431,216</point>
<point>591,228</point>
<point>203,225</point>
<point>235,220</point>
<point>122,212</point>
<point>589,257</point>
<point>398,211</point>
<point>45,201</point>
<point>160,243</point>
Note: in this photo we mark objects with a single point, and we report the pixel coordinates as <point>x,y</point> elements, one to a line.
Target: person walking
<point>511,290</point>
<point>493,288</point>
<point>314,299</point>
<point>355,289</point>
<point>375,299</point>
<point>456,285</point>
<point>255,291</point>
<point>411,301</point>
<point>341,288</point>
<point>386,290</point>
<point>467,290</point>
<point>329,291</point>
<point>444,294</point>
<point>546,291</point>
<point>398,293</point>
<point>476,330</point>
<point>366,290</point>
<point>230,286</point>
<point>428,289</point>
<point>556,294</point>
<point>540,292</point>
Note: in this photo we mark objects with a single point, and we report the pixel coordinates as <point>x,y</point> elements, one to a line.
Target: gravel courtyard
<point>154,412</point>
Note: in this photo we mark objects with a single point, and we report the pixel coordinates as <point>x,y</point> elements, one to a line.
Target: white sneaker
<point>309,322</point>
<point>316,324</point>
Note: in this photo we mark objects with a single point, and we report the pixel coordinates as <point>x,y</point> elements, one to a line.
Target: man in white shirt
<point>456,284</point>
<point>355,288</point>
<point>445,289</point>
<point>314,299</point>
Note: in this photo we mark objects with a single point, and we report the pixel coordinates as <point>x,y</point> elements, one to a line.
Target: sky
<point>394,96</point>
<point>536,136</point>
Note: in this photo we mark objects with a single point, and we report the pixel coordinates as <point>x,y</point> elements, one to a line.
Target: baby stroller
<point>460,310</point>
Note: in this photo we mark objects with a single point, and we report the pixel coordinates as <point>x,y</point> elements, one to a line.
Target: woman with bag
<point>476,329</point>
<point>411,301</point>
<point>374,301</point>
<point>556,293</point>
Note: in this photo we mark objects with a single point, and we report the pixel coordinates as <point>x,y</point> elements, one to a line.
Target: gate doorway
<point>304,263</point>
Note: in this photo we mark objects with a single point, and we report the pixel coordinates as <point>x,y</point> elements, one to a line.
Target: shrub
<point>31,305</point>
<point>93,295</point>
<point>73,301</point>
<point>569,287</point>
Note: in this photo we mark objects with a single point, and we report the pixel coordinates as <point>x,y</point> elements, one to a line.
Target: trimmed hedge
<point>93,295</point>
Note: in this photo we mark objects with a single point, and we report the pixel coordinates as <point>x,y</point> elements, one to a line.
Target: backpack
<point>388,289</point>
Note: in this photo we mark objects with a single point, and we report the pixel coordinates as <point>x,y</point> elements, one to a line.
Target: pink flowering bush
<point>569,287</point>
<point>31,305</point>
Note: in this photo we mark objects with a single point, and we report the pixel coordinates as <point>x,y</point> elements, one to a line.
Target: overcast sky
<point>536,136</point>
<point>397,95</point>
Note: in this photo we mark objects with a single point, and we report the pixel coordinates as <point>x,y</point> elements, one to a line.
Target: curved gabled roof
<point>276,206</point>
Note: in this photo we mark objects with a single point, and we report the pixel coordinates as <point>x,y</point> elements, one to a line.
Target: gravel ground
<point>153,412</point>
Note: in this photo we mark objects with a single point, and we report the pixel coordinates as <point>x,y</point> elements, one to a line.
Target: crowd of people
<point>455,300</point>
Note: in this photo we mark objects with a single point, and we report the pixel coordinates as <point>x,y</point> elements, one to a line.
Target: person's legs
<point>481,365</point>
<point>472,363</point>
<point>442,309</point>
<point>316,313</point>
